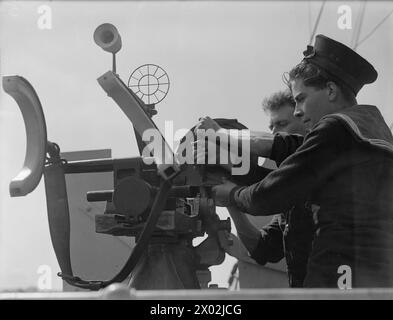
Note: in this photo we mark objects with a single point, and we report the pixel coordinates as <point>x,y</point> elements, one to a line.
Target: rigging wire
<point>309,17</point>
<point>375,28</point>
<point>317,22</point>
<point>358,28</point>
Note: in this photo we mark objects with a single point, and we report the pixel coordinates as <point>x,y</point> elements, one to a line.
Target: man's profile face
<point>283,120</point>
<point>311,103</point>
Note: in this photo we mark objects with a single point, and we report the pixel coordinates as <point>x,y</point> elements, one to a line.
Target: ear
<point>332,91</point>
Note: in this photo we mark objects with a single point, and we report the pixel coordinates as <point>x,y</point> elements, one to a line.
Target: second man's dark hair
<point>278,100</point>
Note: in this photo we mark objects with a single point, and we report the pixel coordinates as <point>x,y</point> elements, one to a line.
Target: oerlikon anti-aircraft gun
<point>162,204</point>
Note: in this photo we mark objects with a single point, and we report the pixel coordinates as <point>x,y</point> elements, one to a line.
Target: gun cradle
<point>189,211</point>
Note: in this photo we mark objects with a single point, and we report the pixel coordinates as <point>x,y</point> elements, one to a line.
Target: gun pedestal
<point>170,260</point>
<point>176,265</point>
<point>166,266</point>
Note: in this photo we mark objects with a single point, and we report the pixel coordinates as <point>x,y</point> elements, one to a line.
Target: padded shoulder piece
<point>29,104</point>
<point>131,105</point>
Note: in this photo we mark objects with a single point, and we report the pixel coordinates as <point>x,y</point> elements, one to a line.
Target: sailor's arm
<point>299,175</point>
<point>262,144</point>
<point>263,245</point>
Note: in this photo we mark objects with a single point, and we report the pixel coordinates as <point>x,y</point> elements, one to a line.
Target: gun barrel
<point>104,195</point>
<point>176,191</point>
<point>89,166</point>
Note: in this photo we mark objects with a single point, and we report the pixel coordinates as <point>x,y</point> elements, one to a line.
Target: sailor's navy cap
<point>340,63</point>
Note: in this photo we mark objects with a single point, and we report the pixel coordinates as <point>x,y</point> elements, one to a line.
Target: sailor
<point>289,234</point>
<point>342,169</point>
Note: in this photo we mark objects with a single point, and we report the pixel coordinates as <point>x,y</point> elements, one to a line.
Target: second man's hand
<point>260,143</point>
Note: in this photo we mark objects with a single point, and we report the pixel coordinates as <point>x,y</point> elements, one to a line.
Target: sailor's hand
<point>204,154</point>
<point>206,123</point>
<point>222,193</point>
<point>216,177</point>
<point>207,152</point>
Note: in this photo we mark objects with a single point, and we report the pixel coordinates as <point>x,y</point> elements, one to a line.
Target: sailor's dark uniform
<point>289,235</point>
<point>343,170</point>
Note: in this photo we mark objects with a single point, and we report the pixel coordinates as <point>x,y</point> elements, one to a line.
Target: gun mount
<point>157,201</point>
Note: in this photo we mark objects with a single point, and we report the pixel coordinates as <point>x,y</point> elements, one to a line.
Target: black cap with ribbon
<point>340,62</point>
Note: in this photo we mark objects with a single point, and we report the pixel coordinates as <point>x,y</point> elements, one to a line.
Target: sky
<point>222,58</point>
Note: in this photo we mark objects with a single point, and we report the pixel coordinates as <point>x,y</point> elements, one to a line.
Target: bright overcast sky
<point>222,58</point>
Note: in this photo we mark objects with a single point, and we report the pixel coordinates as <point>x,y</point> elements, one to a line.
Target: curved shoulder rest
<point>29,104</point>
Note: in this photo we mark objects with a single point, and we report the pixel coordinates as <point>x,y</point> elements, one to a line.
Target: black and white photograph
<point>209,151</point>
